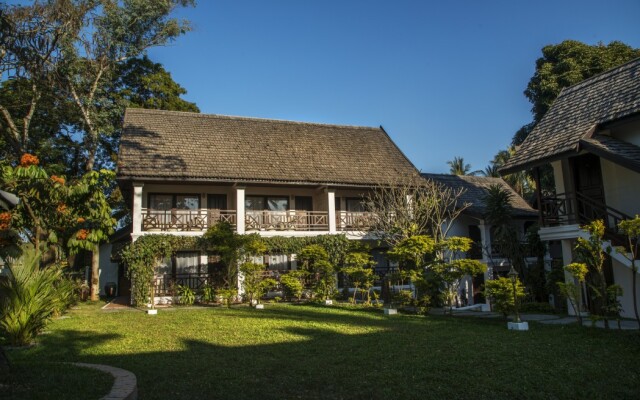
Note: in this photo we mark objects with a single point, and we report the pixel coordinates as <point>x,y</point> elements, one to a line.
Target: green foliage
<point>142,258</point>
<point>255,284</point>
<point>293,284</point>
<point>457,166</point>
<point>186,295</point>
<point>228,296</point>
<point>29,297</point>
<point>208,294</point>
<point>572,291</point>
<point>403,297</point>
<point>324,279</point>
<point>359,269</point>
<point>336,246</point>
<point>500,293</point>
<point>568,63</point>
<point>590,252</point>
<point>312,254</point>
<point>412,250</point>
<point>631,229</point>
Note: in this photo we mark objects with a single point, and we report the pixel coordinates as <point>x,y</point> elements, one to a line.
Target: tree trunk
<point>634,271</point>
<point>95,273</point>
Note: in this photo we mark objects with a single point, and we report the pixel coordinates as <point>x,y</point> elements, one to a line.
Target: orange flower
<point>5,221</point>
<point>28,159</point>
<point>61,207</point>
<point>57,179</point>
<point>80,220</point>
<point>82,234</point>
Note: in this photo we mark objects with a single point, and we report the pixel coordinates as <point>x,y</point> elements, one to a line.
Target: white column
<point>136,216</point>
<point>485,240</point>
<point>331,198</point>
<point>567,258</point>
<point>240,209</point>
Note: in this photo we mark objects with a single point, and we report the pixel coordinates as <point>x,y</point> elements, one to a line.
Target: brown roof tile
<point>578,110</point>
<point>476,188</point>
<point>199,147</point>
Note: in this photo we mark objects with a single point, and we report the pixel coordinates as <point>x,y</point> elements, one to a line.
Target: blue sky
<point>443,78</point>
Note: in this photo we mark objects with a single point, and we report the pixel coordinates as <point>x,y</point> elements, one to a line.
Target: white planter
<point>328,302</point>
<point>259,306</point>
<point>152,311</point>
<point>518,326</point>
<point>390,311</point>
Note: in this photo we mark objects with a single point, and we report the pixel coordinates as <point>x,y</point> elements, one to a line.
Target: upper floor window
<point>270,203</point>
<point>158,201</point>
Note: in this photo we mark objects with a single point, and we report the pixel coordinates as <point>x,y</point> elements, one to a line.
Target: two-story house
<point>183,172</point>
<point>591,138</point>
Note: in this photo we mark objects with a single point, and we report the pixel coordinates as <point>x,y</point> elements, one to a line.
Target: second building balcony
<point>255,221</point>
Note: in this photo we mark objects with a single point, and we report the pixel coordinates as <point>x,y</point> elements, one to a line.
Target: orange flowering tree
<point>58,217</point>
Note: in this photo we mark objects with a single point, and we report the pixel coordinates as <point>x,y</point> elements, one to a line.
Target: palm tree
<point>458,167</point>
<point>490,170</point>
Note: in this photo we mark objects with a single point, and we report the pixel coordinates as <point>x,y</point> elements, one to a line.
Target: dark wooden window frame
<point>174,200</point>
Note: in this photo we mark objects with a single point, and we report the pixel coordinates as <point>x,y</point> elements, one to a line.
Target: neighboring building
<point>472,224</point>
<point>183,172</point>
<point>591,138</point>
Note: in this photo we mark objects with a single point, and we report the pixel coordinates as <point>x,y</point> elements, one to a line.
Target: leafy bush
<point>292,284</point>
<point>228,296</point>
<point>403,297</point>
<point>187,295</point>
<point>208,294</point>
<point>28,299</point>
<point>500,292</point>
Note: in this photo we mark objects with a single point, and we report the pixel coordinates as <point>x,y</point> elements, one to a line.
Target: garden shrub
<point>187,295</point>
<point>292,284</point>
<point>208,294</point>
<point>500,292</point>
<point>29,297</point>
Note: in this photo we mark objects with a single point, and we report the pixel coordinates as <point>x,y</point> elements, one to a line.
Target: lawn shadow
<point>323,353</point>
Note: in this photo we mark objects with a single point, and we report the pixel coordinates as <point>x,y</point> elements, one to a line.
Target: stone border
<point>125,385</point>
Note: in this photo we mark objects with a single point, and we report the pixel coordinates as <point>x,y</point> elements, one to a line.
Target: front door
<point>589,188</point>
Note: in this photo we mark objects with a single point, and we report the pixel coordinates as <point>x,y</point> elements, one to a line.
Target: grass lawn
<point>314,352</point>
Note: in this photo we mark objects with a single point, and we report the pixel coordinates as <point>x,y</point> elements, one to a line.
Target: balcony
<point>184,220</point>
<point>577,209</point>
<point>178,220</point>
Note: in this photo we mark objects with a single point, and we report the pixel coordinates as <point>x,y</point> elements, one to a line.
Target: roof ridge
<point>235,117</point>
<point>598,77</point>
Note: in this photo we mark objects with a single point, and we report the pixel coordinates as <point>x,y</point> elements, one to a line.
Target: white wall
<point>621,187</point>
<point>622,276</point>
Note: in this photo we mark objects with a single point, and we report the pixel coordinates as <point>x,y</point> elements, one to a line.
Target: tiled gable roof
<point>619,151</point>
<point>476,188</point>
<point>168,145</point>
<point>577,112</point>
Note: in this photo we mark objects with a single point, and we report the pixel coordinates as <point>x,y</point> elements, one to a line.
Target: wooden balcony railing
<point>287,220</point>
<point>184,220</point>
<point>167,284</point>
<point>576,208</point>
<point>290,220</point>
<point>354,221</point>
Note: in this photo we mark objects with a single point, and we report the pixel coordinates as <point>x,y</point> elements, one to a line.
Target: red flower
<point>57,179</point>
<point>28,159</point>
<point>5,221</point>
<point>82,234</point>
<point>80,220</point>
<point>61,208</point>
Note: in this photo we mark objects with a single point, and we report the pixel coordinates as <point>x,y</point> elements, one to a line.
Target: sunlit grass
<point>288,351</point>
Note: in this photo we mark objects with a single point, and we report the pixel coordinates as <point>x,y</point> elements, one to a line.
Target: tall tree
<point>457,166</point>
<point>566,64</point>
<point>112,32</point>
<point>30,39</point>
